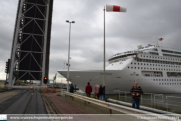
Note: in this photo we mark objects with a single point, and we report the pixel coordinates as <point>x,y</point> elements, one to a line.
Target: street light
<point>69,54</point>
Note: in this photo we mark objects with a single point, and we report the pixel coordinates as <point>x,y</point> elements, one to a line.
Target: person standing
<point>71,88</point>
<point>136,91</point>
<point>101,92</point>
<point>88,89</point>
<point>96,91</point>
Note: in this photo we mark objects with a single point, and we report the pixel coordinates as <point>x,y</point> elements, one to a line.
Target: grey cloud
<point>143,21</point>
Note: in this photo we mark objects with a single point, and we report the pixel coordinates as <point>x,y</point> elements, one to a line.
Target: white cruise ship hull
<point>115,80</point>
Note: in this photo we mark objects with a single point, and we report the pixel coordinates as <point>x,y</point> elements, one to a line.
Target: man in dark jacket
<point>88,89</point>
<point>101,92</point>
<point>136,91</point>
<point>71,88</point>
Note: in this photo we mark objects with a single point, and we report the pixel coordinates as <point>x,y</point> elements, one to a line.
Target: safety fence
<point>153,101</point>
<point>110,106</point>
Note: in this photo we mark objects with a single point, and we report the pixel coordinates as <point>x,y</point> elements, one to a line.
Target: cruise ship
<point>157,69</point>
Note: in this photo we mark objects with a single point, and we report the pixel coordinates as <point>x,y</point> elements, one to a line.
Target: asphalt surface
<point>9,101</point>
<point>27,102</point>
<point>19,106</point>
<point>36,105</point>
<point>8,94</point>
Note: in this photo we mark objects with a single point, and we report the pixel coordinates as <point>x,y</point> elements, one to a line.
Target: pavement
<point>63,106</point>
<point>79,112</point>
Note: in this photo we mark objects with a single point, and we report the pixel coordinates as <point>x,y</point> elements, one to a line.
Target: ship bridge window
<point>169,51</point>
<point>152,49</point>
<point>122,56</point>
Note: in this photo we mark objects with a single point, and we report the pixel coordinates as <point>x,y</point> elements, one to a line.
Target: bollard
<point>110,110</point>
<point>75,88</point>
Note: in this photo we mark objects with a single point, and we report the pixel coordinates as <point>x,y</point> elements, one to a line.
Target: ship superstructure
<point>156,69</point>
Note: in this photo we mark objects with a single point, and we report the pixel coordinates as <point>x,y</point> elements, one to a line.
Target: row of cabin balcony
<point>158,61</point>
<point>156,69</point>
<point>167,58</point>
<point>161,64</point>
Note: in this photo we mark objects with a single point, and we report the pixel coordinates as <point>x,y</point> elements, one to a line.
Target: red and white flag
<point>114,8</point>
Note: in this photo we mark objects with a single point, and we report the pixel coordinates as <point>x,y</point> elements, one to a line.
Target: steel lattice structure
<point>31,41</point>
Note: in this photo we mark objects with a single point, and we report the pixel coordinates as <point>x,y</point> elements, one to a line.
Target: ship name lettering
<point>106,73</point>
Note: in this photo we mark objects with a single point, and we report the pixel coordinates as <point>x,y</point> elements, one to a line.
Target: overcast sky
<point>143,21</point>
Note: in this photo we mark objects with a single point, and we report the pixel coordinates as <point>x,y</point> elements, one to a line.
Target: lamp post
<point>68,54</point>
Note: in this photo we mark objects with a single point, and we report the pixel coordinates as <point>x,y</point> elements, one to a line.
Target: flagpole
<point>104,54</point>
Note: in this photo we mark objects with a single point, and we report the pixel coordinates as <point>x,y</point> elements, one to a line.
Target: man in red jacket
<point>88,89</point>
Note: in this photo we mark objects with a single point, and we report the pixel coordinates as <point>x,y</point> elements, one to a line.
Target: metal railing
<point>110,106</point>
<point>153,100</point>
